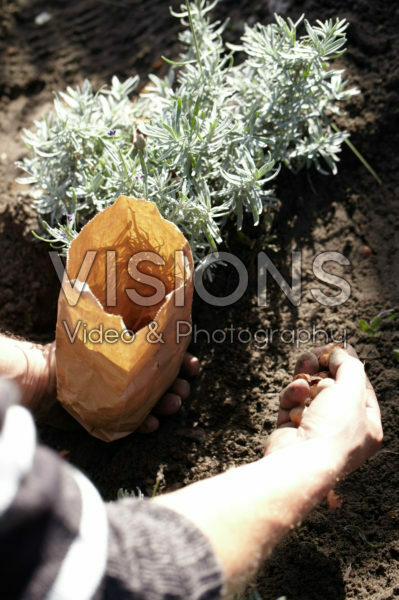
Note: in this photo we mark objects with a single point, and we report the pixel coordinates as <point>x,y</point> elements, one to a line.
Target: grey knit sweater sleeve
<point>157,554</point>
<point>59,541</point>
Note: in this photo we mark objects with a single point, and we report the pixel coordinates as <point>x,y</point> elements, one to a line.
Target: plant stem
<point>156,486</point>
<point>194,37</point>
<point>360,156</point>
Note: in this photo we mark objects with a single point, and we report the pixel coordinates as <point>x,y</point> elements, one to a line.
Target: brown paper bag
<point>107,379</point>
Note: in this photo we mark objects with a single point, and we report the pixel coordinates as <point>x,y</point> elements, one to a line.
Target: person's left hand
<point>171,402</point>
<point>33,367</point>
<point>344,412</point>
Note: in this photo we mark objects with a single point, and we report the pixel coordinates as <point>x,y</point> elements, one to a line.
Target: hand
<point>171,402</point>
<point>33,367</point>
<point>345,410</point>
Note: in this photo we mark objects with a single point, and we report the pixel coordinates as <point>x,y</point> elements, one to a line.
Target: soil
<point>351,552</point>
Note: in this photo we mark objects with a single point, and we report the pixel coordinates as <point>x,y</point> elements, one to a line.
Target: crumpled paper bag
<point>110,381</point>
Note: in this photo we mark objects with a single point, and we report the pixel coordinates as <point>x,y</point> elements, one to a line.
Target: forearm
<point>246,511</point>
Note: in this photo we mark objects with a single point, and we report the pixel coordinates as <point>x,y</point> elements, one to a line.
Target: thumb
<point>348,373</point>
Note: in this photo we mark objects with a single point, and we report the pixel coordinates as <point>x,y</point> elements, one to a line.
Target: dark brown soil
<point>349,553</point>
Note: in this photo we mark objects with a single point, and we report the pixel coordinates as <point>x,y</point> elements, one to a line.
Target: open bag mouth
<point>135,258</point>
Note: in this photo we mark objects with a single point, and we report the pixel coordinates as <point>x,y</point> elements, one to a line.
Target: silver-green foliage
<point>201,143</point>
<point>123,493</point>
<point>285,79</point>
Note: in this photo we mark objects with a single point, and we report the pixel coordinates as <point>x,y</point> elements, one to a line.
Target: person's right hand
<point>345,411</point>
<point>33,368</point>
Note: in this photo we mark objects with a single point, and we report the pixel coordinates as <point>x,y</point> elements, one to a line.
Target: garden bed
<point>351,552</point>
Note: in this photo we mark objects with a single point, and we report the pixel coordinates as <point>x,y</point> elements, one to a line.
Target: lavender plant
<point>204,142</point>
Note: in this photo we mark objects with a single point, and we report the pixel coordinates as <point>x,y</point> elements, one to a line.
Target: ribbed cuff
<point>157,554</point>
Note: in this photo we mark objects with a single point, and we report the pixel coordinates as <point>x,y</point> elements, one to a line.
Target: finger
<point>323,352</point>
<point>169,404</point>
<point>342,364</point>
<point>294,394</point>
<point>190,365</point>
<point>181,387</point>
<point>371,393</point>
<point>349,374</point>
<point>149,425</point>
<point>307,363</point>
<point>374,417</point>
<point>351,351</point>
<point>373,411</point>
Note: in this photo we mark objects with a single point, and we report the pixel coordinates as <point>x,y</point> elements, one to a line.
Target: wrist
<point>32,366</point>
<point>40,382</point>
<point>312,466</point>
